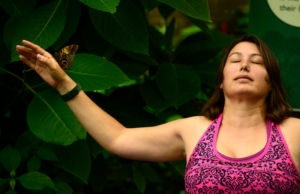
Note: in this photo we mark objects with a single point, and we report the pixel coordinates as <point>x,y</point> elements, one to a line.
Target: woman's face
<point>245,73</point>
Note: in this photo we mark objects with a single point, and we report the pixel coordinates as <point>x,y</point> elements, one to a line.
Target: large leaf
<point>48,116</point>
<point>17,7</point>
<point>153,97</point>
<point>203,52</point>
<point>125,29</point>
<point>51,120</point>
<point>73,16</point>
<point>42,26</point>
<point>201,47</point>
<point>104,5</point>
<point>75,159</point>
<point>36,181</point>
<point>96,73</point>
<point>194,8</point>
<point>177,83</point>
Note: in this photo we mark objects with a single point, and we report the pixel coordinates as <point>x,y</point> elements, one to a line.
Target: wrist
<point>65,86</point>
<point>72,93</point>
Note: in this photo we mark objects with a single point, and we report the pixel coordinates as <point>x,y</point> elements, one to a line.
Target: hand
<point>45,65</point>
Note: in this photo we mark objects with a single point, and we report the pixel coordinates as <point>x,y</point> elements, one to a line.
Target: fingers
<point>35,48</point>
<point>30,50</point>
<point>27,62</point>
<point>31,53</point>
<point>42,63</point>
<point>26,52</point>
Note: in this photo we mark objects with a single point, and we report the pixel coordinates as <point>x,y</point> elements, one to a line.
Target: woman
<point>244,143</point>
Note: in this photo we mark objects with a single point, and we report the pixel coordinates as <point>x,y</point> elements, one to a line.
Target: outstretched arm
<point>159,143</point>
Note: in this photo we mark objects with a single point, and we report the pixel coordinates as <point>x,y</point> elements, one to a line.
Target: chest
<point>240,143</point>
<point>269,170</point>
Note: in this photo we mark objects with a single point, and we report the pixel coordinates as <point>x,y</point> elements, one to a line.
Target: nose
<point>245,67</point>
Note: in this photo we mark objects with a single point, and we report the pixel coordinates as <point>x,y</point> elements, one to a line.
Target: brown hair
<point>277,107</point>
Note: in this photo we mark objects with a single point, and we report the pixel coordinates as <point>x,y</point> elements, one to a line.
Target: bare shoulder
<point>192,123</point>
<point>196,127</point>
<point>290,128</point>
<point>191,130</point>
<point>292,124</point>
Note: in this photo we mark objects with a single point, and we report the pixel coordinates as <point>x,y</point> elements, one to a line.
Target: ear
<point>221,85</point>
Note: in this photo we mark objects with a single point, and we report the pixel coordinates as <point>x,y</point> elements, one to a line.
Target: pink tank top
<point>271,170</point>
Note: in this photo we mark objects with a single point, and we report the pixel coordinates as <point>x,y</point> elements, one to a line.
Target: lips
<point>243,77</point>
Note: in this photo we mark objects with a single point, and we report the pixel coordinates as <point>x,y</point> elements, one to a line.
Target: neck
<point>244,115</point>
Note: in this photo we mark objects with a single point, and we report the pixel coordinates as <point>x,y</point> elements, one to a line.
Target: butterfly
<point>65,56</point>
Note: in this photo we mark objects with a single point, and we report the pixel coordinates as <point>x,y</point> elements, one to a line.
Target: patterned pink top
<point>271,170</point>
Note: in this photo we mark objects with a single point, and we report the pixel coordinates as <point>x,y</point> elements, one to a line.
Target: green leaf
<point>12,183</point>
<point>10,158</point>
<point>203,52</point>
<point>93,146</point>
<point>3,182</point>
<point>10,192</point>
<point>46,153</point>
<point>42,26</point>
<point>33,164</point>
<point>148,172</point>
<point>28,139</point>
<point>57,124</point>
<point>139,179</point>
<point>179,166</point>
<point>27,142</point>
<point>177,83</point>
<point>149,5</point>
<point>73,16</point>
<point>36,181</point>
<point>125,29</point>
<point>104,5</point>
<point>17,7</point>
<point>135,67</point>
<point>63,188</point>
<point>169,37</point>
<point>200,47</point>
<point>153,97</point>
<point>96,73</point>
<point>50,119</point>
<point>75,159</point>
<point>198,9</point>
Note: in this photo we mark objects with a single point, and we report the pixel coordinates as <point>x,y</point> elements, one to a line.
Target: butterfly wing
<point>65,56</point>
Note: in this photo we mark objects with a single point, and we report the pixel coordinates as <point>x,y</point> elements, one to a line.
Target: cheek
<point>267,79</point>
<point>268,82</point>
<point>226,76</point>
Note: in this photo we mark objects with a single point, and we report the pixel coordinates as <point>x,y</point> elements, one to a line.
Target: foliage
<point>133,70</point>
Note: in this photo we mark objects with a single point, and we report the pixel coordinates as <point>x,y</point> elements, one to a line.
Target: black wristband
<point>72,93</point>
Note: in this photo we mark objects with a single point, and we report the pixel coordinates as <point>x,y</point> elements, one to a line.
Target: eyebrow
<point>252,55</point>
